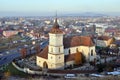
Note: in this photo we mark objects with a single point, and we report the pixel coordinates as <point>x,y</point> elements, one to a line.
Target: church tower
<point>56,48</point>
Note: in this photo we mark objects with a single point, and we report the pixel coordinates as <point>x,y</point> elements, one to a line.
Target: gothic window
<point>76,49</point>
<point>91,52</point>
<point>59,57</point>
<point>51,57</point>
<point>69,51</point>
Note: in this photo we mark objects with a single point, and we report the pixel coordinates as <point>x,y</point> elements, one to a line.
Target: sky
<point>49,7</point>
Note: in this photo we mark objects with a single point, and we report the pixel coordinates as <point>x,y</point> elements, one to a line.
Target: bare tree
<point>23,52</point>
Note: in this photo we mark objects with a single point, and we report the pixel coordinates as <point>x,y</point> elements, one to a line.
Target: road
<point>8,56</point>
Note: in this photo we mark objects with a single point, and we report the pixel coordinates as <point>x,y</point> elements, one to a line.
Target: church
<point>63,51</point>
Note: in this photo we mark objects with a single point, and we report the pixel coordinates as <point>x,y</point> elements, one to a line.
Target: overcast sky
<point>48,7</point>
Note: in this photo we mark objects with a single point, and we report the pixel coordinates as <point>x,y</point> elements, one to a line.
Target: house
<point>100,30</point>
<point>63,51</point>
<point>103,41</point>
<point>9,33</point>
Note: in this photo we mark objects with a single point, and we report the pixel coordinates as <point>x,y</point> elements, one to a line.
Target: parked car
<point>70,76</point>
<point>1,54</point>
<point>7,52</point>
<point>96,75</point>
<point>113,73</point>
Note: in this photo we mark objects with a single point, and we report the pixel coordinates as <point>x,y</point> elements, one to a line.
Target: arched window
<point>69,51</point>
<point>45,65</point>
<point>91,52</point>
<point>77,50</point>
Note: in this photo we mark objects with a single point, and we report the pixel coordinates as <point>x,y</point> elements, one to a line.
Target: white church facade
<point>62,51</point>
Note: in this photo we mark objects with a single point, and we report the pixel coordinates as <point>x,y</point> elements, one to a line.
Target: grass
<point>13,71</point>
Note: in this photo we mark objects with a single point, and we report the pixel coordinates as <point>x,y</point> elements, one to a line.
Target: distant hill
<point>85,14</point>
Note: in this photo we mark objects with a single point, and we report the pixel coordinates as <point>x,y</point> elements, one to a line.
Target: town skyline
<point>48,7</point>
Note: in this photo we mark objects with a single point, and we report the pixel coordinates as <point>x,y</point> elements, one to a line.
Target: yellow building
<point>104,41</point>
<point>61,51</point>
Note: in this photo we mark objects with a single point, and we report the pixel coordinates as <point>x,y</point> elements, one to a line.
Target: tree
<point>7,74</point>
<point>37,48</point>
<point>23,52</point>
<point>100,67</point>
<point>117,50</point>
<point>10,41</point>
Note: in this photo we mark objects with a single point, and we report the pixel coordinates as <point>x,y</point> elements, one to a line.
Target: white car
<point>96,75</point>
<point>70,76</point>
<point>7,52</point>
<point>113,73</point>
<point>25,45</point>
<point>1,54</point>
<point>32,48</point>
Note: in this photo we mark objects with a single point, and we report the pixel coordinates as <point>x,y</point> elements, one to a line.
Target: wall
<point>55,49</point>
<point>26,70</point>
<point>101,43</point>
<point>52,64</point>
<point>40,61</point>
<point>55,39</point>
<point>86,50</point>
<point>69,63</point>
<point>56,60</point>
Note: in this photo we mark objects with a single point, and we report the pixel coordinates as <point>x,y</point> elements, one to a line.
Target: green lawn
<point>13,71</point>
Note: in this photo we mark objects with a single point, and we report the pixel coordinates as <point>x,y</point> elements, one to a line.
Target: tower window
<point>59,57</point>
<point>59,49</point>
<point>51,49</point>
<point>51,57</point>
<point>69,51</point>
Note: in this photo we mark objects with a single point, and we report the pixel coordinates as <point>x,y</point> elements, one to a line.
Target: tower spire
<point>56,25</point>
<point>55,29</point>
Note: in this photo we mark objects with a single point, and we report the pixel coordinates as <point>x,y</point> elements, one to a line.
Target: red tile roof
<point>77,41</point>
<point>103,38</point>
<point>69,57</point>
<point>55,29</point>
<point>44,53</point>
